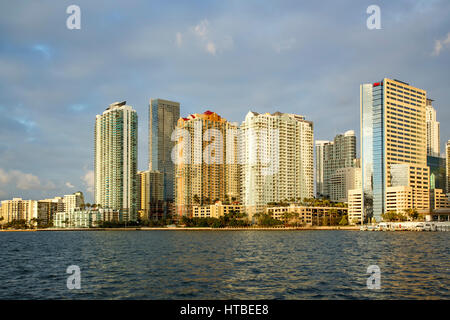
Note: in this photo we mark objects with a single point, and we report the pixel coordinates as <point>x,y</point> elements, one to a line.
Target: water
<point>224,264</point>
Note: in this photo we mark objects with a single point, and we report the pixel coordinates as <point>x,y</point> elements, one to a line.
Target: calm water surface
<point>224,265</point>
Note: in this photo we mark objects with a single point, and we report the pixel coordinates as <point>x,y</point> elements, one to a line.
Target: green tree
<point>343,221</point>
<point>196,199</point>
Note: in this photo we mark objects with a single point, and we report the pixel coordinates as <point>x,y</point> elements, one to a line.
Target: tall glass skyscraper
<point>393,131</point>
<point>163,117</point>
<point>116,159</point>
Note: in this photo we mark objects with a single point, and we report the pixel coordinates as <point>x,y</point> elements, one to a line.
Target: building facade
<point>216,210</point>
<point>19,209</point>
<point>438,176</point>
<point>86,218</point>
<point>312,216</point>
<point>163,118</point>
<point>320,146</point>
<point>433,131</point>
<point>116,159</point>
<point>277,159</point>
<point>343,180</point>
<point>331,157</point>
<point>355,207</point>
<point>151,204</point>
<point>393,131</point>
<point>207,168</point>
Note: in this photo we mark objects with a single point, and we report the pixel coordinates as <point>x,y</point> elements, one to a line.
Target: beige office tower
<point>433,135</point>
<point>277,163</point>
<point>393,146</point>
<point>207,168</point>
<point>151,202</point>
<point>116,160</point>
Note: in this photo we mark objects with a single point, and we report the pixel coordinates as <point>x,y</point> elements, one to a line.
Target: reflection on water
<point>224,265</point>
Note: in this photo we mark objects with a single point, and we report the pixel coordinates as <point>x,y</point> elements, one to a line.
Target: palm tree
<point>33,221</point>
<point>196,199</point>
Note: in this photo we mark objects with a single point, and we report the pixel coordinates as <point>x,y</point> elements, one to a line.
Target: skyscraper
<point>433,135</point>
<point>163,117</point>
<point>330,157</point>
<point>150,195</point>
<point>320,167</point>
<point>393,132</point>
<point>278,159</point>
<point>208,169</point>
<point>116,159</point>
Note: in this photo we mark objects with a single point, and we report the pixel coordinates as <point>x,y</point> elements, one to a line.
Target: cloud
<point>212,41</point>
<point>441,44</point>
<point>69,185</point>
<point>211,48</point>
<point>19,180</point>
<point>201,30</point>
<point>88,180</point>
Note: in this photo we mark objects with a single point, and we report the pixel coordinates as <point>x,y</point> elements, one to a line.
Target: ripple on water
<point>224,265</point>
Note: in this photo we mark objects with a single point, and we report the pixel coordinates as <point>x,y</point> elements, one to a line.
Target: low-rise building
<point>355,207</point>
<point>399,199</point>
<point>216,210</point>
<point>307,215</point>
<point>88,218</point>
<point>439,200</point>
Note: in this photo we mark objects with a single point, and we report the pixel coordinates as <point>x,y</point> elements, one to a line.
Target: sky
<point>228,56</point>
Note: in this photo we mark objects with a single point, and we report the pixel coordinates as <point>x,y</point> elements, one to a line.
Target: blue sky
<point>304,57</point>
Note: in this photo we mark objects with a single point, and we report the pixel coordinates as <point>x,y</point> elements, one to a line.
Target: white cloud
<point>88,180</point>
<point>212,41</point>
<point>201,29</point>
<point>18,179</point>
<point>69,185</point>
<point>441,44</point>
<point>211,48</point>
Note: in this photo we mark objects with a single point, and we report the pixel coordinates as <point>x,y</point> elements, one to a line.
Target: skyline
<point>52,87</point>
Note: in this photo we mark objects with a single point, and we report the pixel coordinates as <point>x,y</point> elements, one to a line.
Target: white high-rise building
<point>116,160</point>
<point>73,201</point>
<point>331,156</point>
<point>277,159</point>
<point>433,135</point>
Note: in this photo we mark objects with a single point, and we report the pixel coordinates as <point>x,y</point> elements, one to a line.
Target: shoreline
<point>354,228</point>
